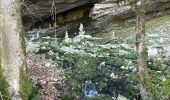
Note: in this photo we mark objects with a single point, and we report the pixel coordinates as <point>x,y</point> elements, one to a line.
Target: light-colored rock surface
<point>125,8</point>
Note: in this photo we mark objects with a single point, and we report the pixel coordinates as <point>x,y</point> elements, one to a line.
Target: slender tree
<point>142,50</point>
<point>13,63</point>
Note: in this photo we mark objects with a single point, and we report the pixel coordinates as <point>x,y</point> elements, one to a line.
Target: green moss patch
<point>26,87</point>
<point>3,86</point>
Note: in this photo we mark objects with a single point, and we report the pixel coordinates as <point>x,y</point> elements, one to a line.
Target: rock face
<point>36,10</point>
<point>126,8</point>
<point>105,11</point>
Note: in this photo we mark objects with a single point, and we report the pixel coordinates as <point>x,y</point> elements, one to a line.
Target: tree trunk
<point>13,63</point>
<point>142,50</point>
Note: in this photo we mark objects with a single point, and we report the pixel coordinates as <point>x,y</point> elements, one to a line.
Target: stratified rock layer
<point>126,8</point>
<point>36,10</point>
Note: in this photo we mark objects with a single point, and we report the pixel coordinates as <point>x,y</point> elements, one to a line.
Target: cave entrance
<point>75,15</point>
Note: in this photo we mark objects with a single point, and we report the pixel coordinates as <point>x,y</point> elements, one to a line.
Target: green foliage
<point>156,65</point>
<point>102,85</point>
<point>158,83</point>
<point>131,55</point>
<point>58,86</point>
<point>113,52</point>
<point>167,62</point>
<point>116,61</point>
<point>110,61</point>
<point>3,86</point>
<point>59,64</point>
<point>25,86</point>
<point>75,84</point>
<point>67,96</point>
<point>161,87</point>
<point>84,66</point>
<point>33,95</point>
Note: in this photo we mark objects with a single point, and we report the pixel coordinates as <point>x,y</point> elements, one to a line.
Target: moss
<point>75,85</point>
<point>116,61</point>
<point>34,93</point>
<point>3,86</point>
<point>156,65</point>
<point>147,82</point>
<point>25,86</point>
<point>167,62</point>
<point>131,55</point>
<point>22,40</point>
<point>102,85</point>
<point>113,52</point>
<point>67,96</point>
<point>58,86</point>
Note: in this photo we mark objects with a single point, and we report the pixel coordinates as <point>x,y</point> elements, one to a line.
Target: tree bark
<point>142,50</point>
<point>13,63</point>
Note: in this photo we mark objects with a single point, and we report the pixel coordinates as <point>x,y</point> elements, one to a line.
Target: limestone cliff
<point>126,8</point>
<point>36,10</point>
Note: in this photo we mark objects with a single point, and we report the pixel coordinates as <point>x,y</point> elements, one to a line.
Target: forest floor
<point>99,68</point>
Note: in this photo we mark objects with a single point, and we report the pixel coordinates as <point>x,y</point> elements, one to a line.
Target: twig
<point>29,5</point>
<point>53,14</point>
